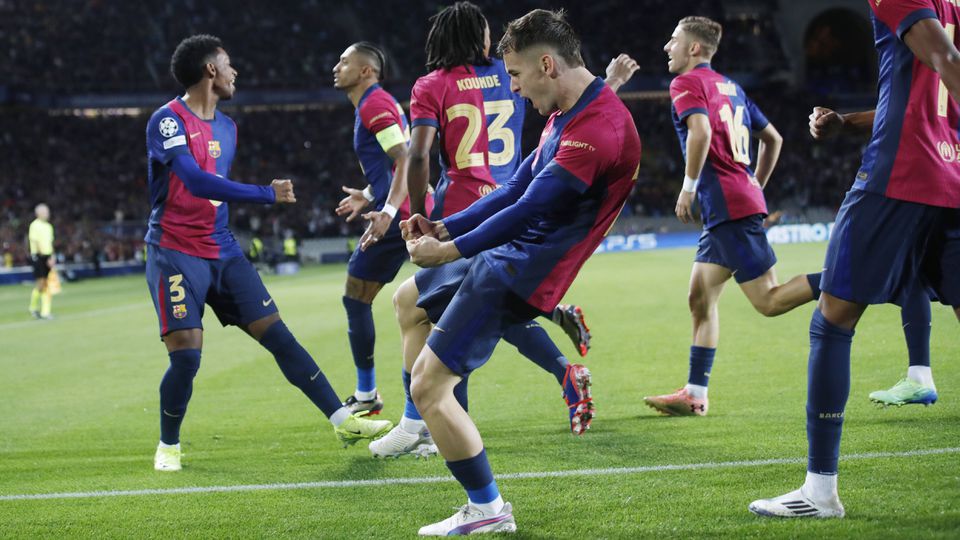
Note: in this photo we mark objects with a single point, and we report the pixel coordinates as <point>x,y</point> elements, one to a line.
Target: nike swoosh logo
<point>438,329</point>
<point>172,415</point>
<point>267,302</point>
<point>315,375</point>
<point>194,135</point>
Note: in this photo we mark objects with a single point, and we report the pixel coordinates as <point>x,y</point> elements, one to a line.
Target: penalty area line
<point>336,484</point>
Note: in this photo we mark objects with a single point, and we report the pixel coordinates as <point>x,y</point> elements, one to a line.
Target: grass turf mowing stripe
<point>70,316</point>
<point>332,484</point>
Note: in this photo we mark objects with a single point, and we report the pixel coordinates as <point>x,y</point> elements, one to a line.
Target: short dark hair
<point>543,27</point>
<point>456,37</point>
<point>191,56</point>
<point>376,55</point>
<point>705,31</point>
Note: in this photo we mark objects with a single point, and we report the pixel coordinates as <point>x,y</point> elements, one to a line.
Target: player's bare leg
<point>706,284</point>
<point>462,448</point>
<point>414,324</point>
<point>770,298</point>
<point>410,436</point>
<point>358,296</point>
<point>452,428</point>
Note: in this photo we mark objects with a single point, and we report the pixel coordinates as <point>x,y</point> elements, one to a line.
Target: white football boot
<point>399,442</point>
<point>470,520</point>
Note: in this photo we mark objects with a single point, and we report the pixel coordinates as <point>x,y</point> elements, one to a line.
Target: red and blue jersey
<point>727,189</point>
<point>179,220</point>
<point>479,122</point>
<point>594,149</point>
<point>378,121</point>
<point>914,152</point>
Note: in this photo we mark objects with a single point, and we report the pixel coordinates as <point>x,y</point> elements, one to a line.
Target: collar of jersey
<point>189,110</point>
<point>586,97</point>
<point>704,65</point>
<point>368,92</point>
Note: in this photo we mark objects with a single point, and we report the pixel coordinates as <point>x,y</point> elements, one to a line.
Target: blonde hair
<point>705,31</point>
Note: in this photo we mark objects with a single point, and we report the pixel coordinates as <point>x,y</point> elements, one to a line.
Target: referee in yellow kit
<point>40,238</point>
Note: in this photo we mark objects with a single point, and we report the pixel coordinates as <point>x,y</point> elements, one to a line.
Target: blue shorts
<point>881,248</point>
<point>740,246</point>
<point>381,261</point>
<point>437,286</point>
<point>181,284</point>
<point>479,313</point>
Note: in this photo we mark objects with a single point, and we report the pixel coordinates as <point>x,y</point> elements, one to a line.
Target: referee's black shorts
<point>41,267</point>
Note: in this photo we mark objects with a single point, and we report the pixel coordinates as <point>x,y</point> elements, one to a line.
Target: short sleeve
<point>378,113</point>
<point>424,106</point>
<point>900,15</point>
<point>758,120</point>
<point>584,152</point>
<point>381,116</point>
<point>166,136</point>
<point>686,94</point>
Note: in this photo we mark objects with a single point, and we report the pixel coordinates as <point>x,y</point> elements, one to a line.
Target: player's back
<point>728,189</point>
<point>914,152</point>
<point>178,219</point>
<point>505,111</point>
<point>478,121</point>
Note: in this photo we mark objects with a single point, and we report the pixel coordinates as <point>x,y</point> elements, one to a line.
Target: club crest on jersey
<point>487,189</point>
<point>948,152</point>
<point>179,311</point>
<point>168,127</point>
<point>213,147</point>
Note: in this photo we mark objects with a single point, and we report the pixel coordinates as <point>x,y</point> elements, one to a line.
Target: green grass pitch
<point>78,413</point>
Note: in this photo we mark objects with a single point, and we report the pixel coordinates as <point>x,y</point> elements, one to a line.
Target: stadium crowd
<point>91,170</point>
<point>305,40</point>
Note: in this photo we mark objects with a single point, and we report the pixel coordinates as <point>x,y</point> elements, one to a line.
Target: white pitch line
<point>72,316</point>
<point>334,484</point>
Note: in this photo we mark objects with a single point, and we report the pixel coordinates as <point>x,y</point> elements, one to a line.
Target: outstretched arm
<point>210,186</point>
<point>827,124</point>
<point>475,214</point>
<point>552,188</point>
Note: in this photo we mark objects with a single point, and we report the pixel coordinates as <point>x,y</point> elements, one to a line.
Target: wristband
<point>367,194</point>
<point>689,184</point>
<point>390,210</point>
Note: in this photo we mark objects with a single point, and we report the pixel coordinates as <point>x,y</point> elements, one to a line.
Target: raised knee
<point>405,306</point>
<point>419,392</point>
<point>769,308</point>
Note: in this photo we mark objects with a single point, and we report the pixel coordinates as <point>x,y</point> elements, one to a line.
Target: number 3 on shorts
<point>177,294</point>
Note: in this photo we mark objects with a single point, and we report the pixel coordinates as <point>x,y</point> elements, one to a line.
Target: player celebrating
<point>714,119</point>
<point>896,228</point>
<point>380,137</point>
<point>40,238</point>
<point>466,86</point>
<point>193,258</point>
<point>917,386</point>
<point>532,236</point>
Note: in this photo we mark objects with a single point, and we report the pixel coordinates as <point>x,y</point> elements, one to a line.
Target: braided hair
<point>456,37</point>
